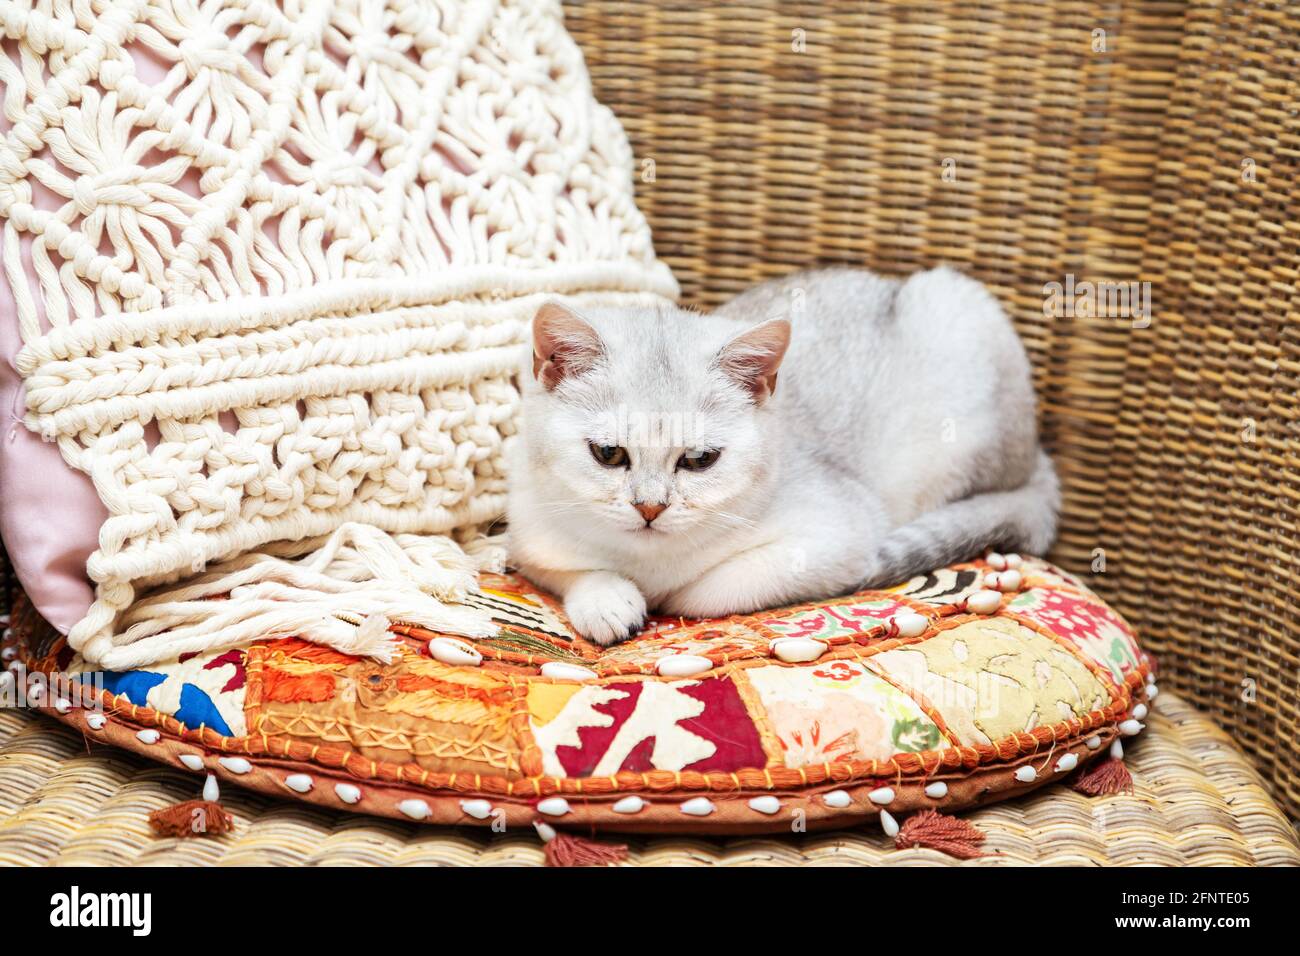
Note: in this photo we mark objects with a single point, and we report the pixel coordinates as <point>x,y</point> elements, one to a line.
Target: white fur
<point>900,436</point>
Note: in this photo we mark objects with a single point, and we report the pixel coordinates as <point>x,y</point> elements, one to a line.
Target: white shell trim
<point>995,561</point>
<point>1140,712</point>
<point>298,782</point>
<point>881,795</point>
<point>235,764</point>
<point>545,831</point>
<point>1067,763</point>
<point>192,761</point>
<point>698,807</point>
<point>347,792</point>
<point>415,809</point>
<point>765,804</point>
<point>682,665</point>
<point>837,799</point>
<point>478,809</point>
<point>1117,750</point>
<point>984,601</point>
<point>96,721</point>
<point>1093,742</point>
<point>558,670</point>
<point>937,790</point>
<point>910,624</point>
<point>632,804</point>
<point>798,650</point>
<point>148,736</point>
<point>888,823</point>
<point>211,789</point>
<point>1026,774</point>
<point>454,652</point>
<point>554,806</point>
<point>1131,728</point>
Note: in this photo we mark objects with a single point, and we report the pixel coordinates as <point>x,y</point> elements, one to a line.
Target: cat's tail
<point>1022,519</point>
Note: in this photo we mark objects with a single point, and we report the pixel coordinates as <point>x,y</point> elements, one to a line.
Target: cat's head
<point>644,423</point>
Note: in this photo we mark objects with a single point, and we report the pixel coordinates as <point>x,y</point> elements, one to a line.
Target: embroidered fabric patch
<point>413,710</point>
<point>1086,623</point>
<point>949,586</point>
<point>849,618</point>
<point>840,711</point>
<point>991,677</point>
<point>200,690</point>
<point>717,640</point>
<point>596,731</point>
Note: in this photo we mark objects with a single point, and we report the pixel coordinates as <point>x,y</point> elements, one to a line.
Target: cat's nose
<point>649,511</point>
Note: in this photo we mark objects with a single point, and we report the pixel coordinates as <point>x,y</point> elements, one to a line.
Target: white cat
<point>661,466</point>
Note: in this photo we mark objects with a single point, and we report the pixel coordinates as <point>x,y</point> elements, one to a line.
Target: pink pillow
<point>50,513</point>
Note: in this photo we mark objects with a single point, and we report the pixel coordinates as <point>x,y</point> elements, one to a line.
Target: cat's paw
<point>604,607</point>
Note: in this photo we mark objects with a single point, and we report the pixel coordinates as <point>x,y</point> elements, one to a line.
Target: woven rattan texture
<point>1026,142</point>
<point>1197,801</point>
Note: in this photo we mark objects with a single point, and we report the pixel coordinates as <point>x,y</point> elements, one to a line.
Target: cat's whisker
<point>736,519</point>
<point>555,509</point>
<point>727,522</point>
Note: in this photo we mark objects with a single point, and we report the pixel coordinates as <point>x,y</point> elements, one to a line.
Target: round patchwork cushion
<point>961,687</point>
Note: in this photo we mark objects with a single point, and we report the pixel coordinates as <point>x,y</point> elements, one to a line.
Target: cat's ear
<point>751,359</point>
<point>563,344</point>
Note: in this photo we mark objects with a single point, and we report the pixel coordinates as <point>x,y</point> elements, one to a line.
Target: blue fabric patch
<point>133,685</point>
<point>197,709</point>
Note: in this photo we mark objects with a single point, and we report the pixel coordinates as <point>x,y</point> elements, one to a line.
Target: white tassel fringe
<point>343,595</point>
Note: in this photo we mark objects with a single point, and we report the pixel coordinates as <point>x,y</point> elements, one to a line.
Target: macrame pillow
<point>272,265</point>
<point>972,684</point>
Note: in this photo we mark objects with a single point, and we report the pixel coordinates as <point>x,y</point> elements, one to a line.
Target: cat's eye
<point>698,460</point>
<point>611,456</point>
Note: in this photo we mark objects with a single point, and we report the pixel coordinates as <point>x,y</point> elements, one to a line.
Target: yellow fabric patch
<point>992,677</point>
<point>545,701</point>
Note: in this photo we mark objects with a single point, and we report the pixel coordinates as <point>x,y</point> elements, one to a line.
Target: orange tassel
<point>564,849</point>
<point>1109,776</point>
<point>191,818</point>
<point>941,832</point>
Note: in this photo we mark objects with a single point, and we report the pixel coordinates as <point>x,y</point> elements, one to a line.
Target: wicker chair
<point>1114,140</point>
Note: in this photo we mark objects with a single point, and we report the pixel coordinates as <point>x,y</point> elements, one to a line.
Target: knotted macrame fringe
<point>344,595</point>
